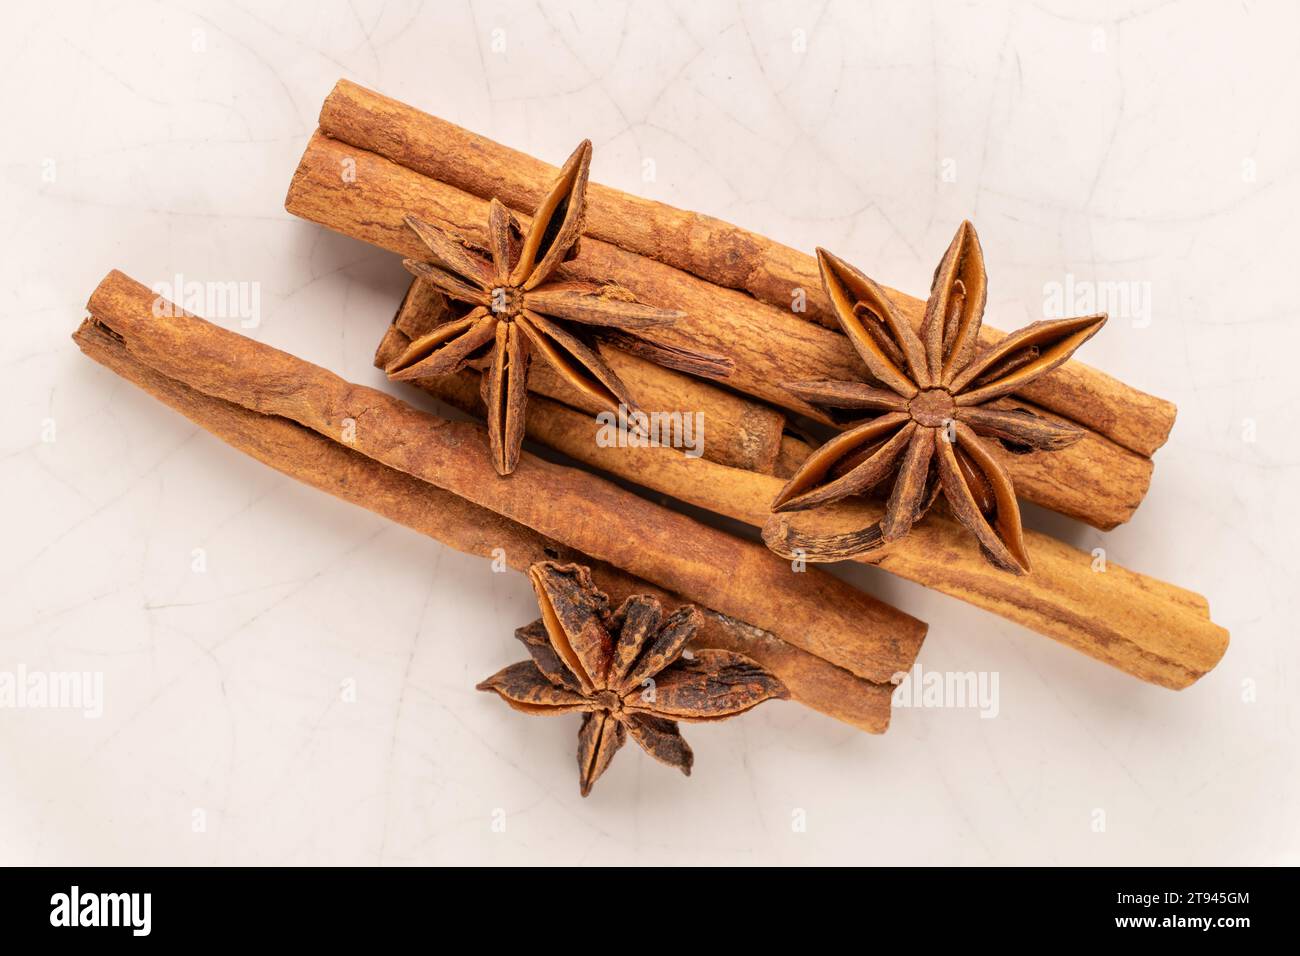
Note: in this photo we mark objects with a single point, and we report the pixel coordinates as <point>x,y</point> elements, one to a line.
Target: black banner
<point>134,906</point>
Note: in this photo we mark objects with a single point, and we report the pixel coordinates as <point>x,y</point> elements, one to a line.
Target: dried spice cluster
<point>926,421</point>
<point>625,672</point>
<point>937,406</point>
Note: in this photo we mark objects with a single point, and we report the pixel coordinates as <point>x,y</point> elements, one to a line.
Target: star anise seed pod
<point>623,671</point>
<point>518,312</point>
<point>935,403</point>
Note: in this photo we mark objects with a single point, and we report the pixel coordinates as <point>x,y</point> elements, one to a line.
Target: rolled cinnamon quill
<point>334,468</point>
<point>813,611</point>
<point>1095,480</point>
<point>716,251</point>
<point>1155,631</point>
<point>743,433</point>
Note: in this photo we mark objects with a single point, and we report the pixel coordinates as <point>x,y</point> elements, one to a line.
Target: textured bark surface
<point>795,449</point>
<point>1153,630</point>
<point>704,565</point>
<point>742,432</point>
<point>332,467</point>
<point>1096,480</point>
<point>716,251</point>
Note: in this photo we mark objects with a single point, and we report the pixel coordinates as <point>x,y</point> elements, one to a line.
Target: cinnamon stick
<point>717,251</point>
<point>1145,627</point>
<point>706,566</point>
<point>742,433</point>
<point>1095,480</point>
<point>794,451</point>
<point>347,474</point>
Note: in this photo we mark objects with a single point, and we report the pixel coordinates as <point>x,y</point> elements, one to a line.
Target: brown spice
<point>768,345</point>
<point>930,410</point>
<point>718,252</point>
<point>703,564</point>
<point>1153,630</point>
<point>743,433</point>
<point>628,672</point>
<point>518,311</point>
<point>330,466</point>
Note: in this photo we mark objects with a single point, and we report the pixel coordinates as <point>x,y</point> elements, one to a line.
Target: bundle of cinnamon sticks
<point>736,289</point>
<point>1153,630</point>
<point>755,305</point>
<point>836,649</point>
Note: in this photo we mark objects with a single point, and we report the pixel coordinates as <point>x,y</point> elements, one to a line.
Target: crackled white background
<point>1146,142</point>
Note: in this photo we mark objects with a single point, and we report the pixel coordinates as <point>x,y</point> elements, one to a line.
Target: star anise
<point>939,404</point>
<point>517,311</point>
<point>625,671</point>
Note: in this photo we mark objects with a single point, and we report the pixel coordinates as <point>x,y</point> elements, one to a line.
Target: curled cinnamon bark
<point>717,251</point>
<point>743,433</point>
<point>333,467</point>
<point>1095,480</point>
<point>704,565</point>
<point>1153,630</point>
